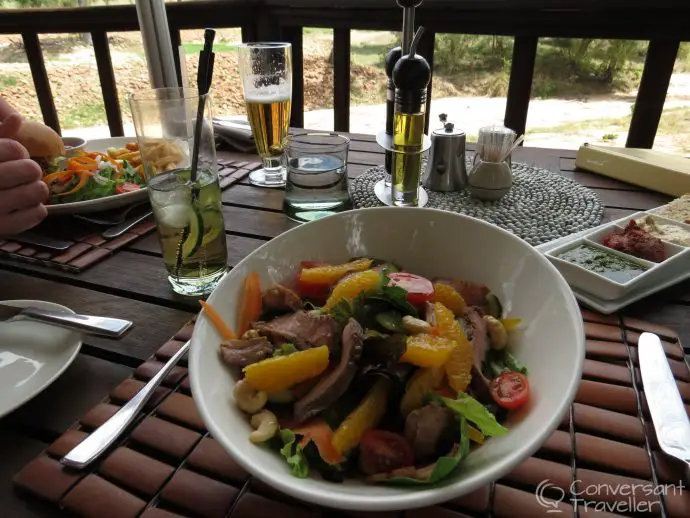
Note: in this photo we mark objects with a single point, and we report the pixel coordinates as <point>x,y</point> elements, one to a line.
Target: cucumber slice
<point>195,235</point>
<point>213,225</point>
<point>391,321</point>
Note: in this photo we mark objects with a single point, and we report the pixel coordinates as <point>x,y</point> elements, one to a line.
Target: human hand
<point>22,192</point>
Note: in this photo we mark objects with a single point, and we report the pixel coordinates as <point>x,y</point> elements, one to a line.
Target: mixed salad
<point>363,369</point>
<point>91,175</point>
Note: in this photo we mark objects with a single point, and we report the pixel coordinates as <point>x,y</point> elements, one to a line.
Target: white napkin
<point>235,133</point>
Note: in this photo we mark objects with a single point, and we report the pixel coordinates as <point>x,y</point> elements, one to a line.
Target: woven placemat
<point>541,205</point>
<point>604,458</point>
<point>88,247</point>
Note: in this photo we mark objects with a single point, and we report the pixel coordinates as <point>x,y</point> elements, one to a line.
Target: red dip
<point>635,241</point>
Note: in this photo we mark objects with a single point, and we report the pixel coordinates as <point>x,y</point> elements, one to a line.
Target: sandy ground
<point>471,113</point>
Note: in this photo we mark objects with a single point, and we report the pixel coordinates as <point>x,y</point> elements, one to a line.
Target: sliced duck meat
<point>479,336</point>
<point>303,329</point>
<point>334,384</point>
<point>425,428</point>
<point>280,298</point>
<point>245,352</point>
<point>473,293</point>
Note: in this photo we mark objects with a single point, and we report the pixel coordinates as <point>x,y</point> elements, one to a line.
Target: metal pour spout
<point>409,7</point>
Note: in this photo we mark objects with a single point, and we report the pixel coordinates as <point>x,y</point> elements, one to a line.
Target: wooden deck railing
<point>664,23</point>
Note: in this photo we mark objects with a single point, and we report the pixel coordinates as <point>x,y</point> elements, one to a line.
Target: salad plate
<point>416,241</point>
<point>32,355</point>
<point>649,251</point>
<point>93,200</point>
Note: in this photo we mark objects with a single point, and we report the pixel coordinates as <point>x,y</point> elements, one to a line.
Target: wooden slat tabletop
<point>132,284</point>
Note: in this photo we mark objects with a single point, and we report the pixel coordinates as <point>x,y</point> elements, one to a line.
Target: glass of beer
<point>266,72</point>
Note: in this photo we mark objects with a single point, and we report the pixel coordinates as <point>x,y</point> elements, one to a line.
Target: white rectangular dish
<point>599,290</point>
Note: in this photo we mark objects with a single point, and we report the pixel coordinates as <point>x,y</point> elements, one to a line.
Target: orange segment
<point>423,383</point>
<point>449,297</point>
<point>281,372</point>
<point>425,350</point>
<point>459,364</point>
<point>365,417</point>
<point>351,286</point>
<point>332,274</point>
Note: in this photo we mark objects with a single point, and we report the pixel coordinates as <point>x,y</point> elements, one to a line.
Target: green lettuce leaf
<point>443,467</point>
<point>293,454</point>
<point>472,410</point>
<point>285,350</point>
<point>90,191</point>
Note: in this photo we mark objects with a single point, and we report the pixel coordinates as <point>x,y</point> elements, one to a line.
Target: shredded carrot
<point>217,321</point>
<point>250,309</point>
<point>84,177</point>
<point>82,163</point>
<point>95,154</point>
<point>318,431</point>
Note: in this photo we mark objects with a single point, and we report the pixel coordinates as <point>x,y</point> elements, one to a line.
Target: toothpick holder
<point>489,180</point>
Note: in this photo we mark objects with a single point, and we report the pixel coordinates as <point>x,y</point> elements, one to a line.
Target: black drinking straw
<point>203,78</point>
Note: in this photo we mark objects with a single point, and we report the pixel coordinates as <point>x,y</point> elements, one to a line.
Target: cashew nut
<point>266,424</point>
<point>497,333</point>
<point>247,398</point>
<point>249,334</point>
<point>415,325</point>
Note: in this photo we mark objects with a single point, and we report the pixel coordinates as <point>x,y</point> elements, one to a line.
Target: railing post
<point>341,79</point>
<point>107,80</point>
<point>294,36</point>
<point>656,77</point>
<point>34,54</point>
<point>520,84</point>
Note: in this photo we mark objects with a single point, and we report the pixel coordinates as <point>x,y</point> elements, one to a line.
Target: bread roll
<point>41,141</point>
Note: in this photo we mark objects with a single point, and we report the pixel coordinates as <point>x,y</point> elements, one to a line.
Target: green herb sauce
<point>609,265</point>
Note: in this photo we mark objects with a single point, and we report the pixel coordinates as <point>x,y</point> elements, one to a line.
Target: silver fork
<point>105,435</point>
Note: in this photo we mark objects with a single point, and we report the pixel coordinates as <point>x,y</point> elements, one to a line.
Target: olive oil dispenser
<point>411,76</point>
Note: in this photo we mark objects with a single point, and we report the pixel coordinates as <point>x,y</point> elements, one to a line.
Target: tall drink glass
<point>189,216</point>
<point>266,72</point>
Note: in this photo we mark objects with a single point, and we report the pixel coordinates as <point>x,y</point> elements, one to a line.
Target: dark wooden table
<point>132,284</point>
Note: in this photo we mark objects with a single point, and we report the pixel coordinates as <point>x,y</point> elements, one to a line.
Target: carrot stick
<point>250,309</point>
<point>217,321</point>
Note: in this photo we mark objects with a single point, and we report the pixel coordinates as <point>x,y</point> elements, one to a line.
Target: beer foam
<point>268,98</point>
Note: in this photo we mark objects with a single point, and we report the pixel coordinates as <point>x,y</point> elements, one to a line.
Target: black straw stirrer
<point>204,77</point>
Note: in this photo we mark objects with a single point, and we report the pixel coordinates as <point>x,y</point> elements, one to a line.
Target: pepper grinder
<point>446,170</point>
<point>391,60</point>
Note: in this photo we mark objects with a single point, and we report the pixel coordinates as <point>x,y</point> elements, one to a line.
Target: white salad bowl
<point>432,243</point>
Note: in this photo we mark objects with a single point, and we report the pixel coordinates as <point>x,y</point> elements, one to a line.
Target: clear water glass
<point>316,175</point>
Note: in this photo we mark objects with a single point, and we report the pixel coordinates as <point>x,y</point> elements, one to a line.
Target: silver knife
<point>92,325</point>
<point>670,419</point>
<point>31,238</point>
<point>120,229</point>
<point>105,435</point>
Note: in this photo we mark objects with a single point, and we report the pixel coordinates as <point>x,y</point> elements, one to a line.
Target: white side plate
<point>32,356</point>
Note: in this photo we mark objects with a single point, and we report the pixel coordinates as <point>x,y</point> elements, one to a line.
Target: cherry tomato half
<point>510,390</point>
<point>127,187</point>
<point>381,451</point>
<point>419,289</point>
